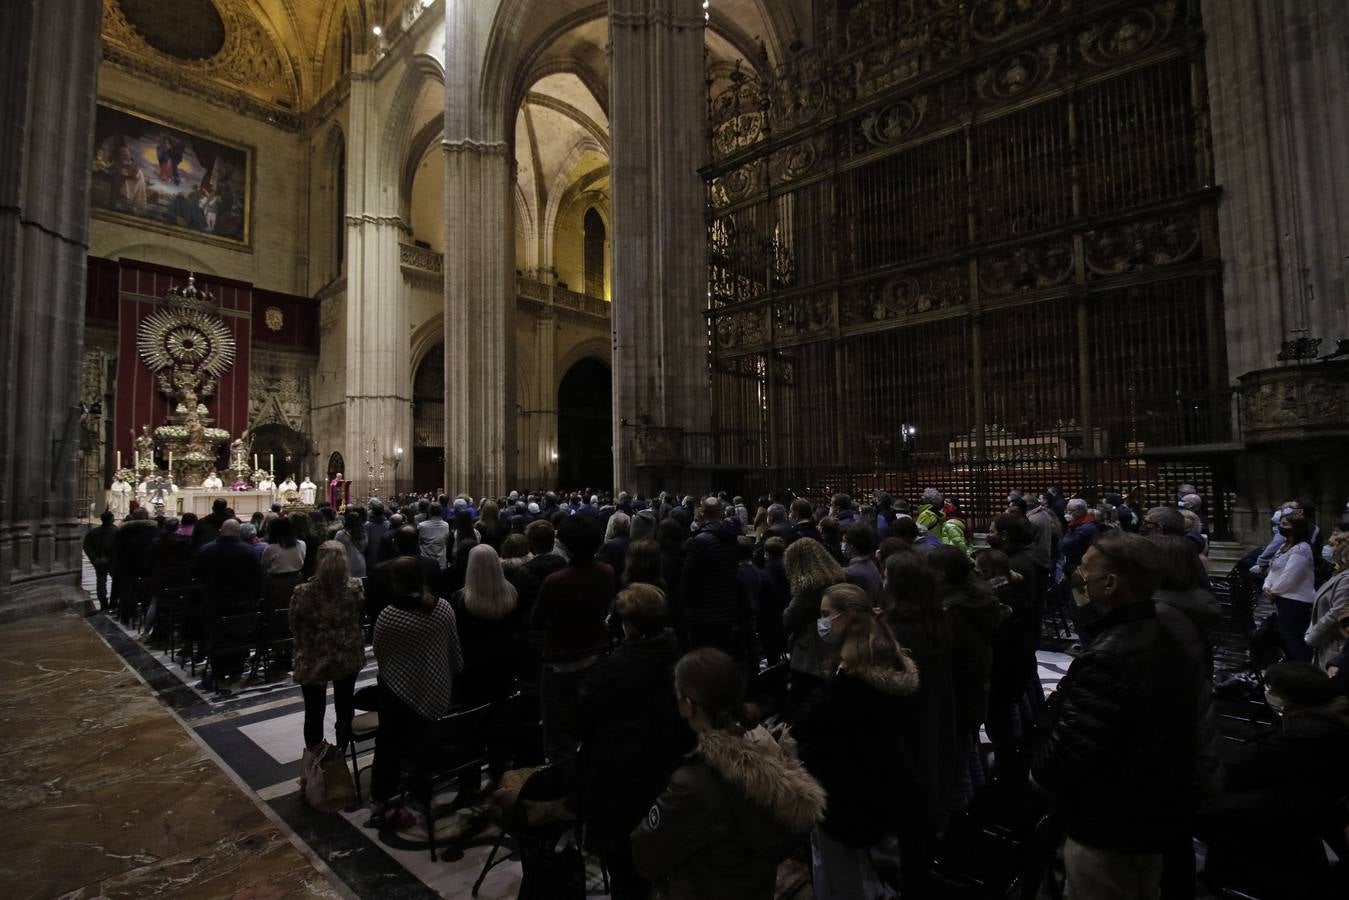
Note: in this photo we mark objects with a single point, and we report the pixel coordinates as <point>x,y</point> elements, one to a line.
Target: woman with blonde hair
<point>810,570</point>
<point>325,621</point>
<point>489,630</point>
<point>863,704</point>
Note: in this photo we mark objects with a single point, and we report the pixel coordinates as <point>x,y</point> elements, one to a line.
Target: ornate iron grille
<point>969,244</point>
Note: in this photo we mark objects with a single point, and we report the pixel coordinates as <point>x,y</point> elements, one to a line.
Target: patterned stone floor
<point>107,795</point>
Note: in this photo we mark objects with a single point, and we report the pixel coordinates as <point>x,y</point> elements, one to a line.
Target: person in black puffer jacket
<point>1119,761</point>
<point>631,734</point>
<point>735,805</point>
<point>710,599</point>
<point>864,704</point>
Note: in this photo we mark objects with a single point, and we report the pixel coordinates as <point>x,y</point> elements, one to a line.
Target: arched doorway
<point>285,449</point>
<point>585,446</point>
<point>428,421</point>
<point>336,465</point>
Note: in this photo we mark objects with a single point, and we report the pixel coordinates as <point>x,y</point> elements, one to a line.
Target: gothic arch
<point>396,146</point>
<point>598,348</point>
<point>425,338</point>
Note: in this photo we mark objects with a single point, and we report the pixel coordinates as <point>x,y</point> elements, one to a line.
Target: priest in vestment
<point>335,492</point>
<point>212,482</point>
<point>307,491</point>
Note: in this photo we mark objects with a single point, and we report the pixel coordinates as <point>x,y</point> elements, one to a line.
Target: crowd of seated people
<point>890,656</point>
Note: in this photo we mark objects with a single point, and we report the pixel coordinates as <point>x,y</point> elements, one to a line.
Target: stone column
<point>49,52</point>
<point>657,119</point>
<point>480,415</point>
<point>378,388</point>
<point>1276,70</point>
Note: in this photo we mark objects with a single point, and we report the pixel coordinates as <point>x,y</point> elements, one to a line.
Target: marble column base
<point>42,596</point>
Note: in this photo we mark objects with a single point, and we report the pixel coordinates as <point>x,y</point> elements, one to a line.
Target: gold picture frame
<point>150,173</point>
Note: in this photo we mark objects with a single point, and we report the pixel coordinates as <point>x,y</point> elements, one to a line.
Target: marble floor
<point>254,730</point>
<point>106,794</point>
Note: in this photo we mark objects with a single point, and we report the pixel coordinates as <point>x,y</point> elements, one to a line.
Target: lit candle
<point>271,463</point>
<point>136,454</point>
<point>255,462</point>
<point>119,460</point>
<point>170,462</point>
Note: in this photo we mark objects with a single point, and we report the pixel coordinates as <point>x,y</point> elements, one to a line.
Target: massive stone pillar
<point>657,113</point>
<point>378,385</point>
<point>49,53</point>
<point>1276,75</point>
<point>480,410</point>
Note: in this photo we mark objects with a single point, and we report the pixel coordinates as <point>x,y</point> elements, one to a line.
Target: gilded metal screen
<point>969,244</point>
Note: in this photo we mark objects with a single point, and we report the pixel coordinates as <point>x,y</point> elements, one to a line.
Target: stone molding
<point>371,219</point>
<point>660,19</point>
<point>479,148</point>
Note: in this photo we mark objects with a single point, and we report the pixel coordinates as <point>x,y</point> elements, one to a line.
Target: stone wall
<point>278,256</point>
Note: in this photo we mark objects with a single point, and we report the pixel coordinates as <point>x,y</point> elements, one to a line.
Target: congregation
<point>723,683</point>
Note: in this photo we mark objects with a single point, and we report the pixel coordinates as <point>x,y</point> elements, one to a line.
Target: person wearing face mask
<point>1119,761</point>
<point>1332,603</point>
<point>1275,542</point>
<point>631,734</point>
<point>810,570</point>
<point>1263,833</point>
<point>1082,531</point>
<point>863,704</point>
<point>1290,583</point>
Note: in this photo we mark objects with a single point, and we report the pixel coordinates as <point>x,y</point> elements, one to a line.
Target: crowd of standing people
<point>908,650</point>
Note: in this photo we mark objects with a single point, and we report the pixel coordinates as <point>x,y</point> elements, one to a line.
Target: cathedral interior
<point>818,247</point>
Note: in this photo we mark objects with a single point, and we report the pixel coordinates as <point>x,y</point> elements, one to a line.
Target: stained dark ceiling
<point>185,29</point>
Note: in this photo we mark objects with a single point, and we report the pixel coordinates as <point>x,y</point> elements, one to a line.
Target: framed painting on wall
<point>148,173</point>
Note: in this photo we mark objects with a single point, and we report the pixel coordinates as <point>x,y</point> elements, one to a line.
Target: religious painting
<point>147,172</point>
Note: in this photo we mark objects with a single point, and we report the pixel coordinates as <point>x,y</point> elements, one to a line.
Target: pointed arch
<point>397,141</point>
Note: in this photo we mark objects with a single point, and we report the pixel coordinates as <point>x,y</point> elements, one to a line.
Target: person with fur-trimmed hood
<point>735,805</point>
<point>864,704</point>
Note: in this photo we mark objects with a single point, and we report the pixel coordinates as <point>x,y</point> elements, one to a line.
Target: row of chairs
<point>456,748</point>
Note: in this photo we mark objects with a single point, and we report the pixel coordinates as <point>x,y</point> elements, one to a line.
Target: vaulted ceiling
<point>272,53</point>
<point>275,58</point>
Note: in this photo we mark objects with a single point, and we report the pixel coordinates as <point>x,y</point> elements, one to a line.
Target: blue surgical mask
<point>1328,553</point>
<point>824,627</point>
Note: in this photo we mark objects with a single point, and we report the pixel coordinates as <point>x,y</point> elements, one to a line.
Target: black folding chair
<point>277,642</point>
<point>548,782</point>
<point>452,749</point>
<point>364,728</point>
<point>231,637</point>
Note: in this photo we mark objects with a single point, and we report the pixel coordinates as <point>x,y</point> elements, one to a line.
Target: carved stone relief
<point>1144,244</point>
<point>279,392</point>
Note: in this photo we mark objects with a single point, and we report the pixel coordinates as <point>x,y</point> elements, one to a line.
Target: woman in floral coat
<point>325,620</point>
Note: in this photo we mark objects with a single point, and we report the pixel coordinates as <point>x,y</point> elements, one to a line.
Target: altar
<point>244,503</point>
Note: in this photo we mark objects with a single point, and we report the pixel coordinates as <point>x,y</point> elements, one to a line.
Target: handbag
<point>325,780</point>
